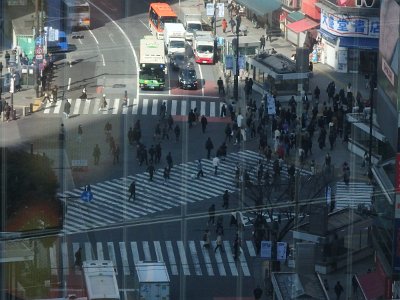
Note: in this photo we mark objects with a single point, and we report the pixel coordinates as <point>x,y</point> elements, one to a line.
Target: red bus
<point>159,14</point>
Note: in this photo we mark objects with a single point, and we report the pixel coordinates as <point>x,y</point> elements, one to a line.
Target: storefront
<point>297,31</point>
<point>349,44</point>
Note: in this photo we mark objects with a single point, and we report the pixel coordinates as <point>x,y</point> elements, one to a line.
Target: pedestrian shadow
<point>73,116</point>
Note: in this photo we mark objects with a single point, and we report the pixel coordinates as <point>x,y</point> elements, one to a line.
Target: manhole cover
<point>119,85</point>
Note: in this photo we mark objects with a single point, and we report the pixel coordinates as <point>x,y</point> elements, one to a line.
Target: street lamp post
<point>371,100</point>
<point>236,78</point>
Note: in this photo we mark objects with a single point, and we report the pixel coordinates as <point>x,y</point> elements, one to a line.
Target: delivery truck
<point>152,280</point>
<point>100,280</point>
<point>174,38</point>
<point>203,47</point>
<point>192,23</point>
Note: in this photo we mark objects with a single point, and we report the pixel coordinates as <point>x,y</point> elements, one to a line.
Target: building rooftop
<point>277,62</point>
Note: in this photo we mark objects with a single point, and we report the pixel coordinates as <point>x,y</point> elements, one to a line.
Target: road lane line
<point>126,107</point>
<point>115,106</point>
<point>218,258</point>
<point>212,109</point>
<point>203,108</point>
<point>111,254</point>
<point>203,81</point>
<point>146,250</point>
<point>47,108</point>
<point>229,256</point>
<point>135,105</point>
<point>207,259</point>
<point>182,254</point>
<point>104,62</point>
<point>100,253</point>
<point>195,258</point>
<point>88,251</point>
<point>77,105</point>
<point>250,247</point>
<point>243,263</point>
<point>124,258</point>
<point>69,83</point>
<point>174,104</point>
<point>157,247</point>
<point>58,107</point>
<point>96,106</point>
<point>94,37</point>
<point>154,107</point>
<point>171,257</point>
<point>135,252</point>
<point>145,104</point>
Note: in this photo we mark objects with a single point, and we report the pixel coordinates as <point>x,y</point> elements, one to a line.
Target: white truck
<point>100,279</point>
<point>192,23</point>
<point>152,280</point>
<point>174,38</point>
<point>203,47</point>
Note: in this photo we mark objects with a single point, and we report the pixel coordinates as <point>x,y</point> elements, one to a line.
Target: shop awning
<point>359,42</point>
<point>372,285</point>
<point>261,7</point>
<point>295,16</point>
<point>302,25</point>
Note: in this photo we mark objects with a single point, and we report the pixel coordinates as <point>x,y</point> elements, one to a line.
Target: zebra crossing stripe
<point>192,104</point>
<point>77,104</point>
<point>195,258</point>
<point>250,247</point>
<point>96,106</point>
<point>125,107</point>
<point>212,109</point>
<point>203,108</point>
<point>124,258</point>
<point>157,247</point>
<point>243,263</point>
<point>135,105</point>
<point>229,256</point>
<point>58,106</point>
<point>182,254</point>
<point>135,252</point>
<point>86,107</point>
<point>174,103</point>
<point>184,111</point>
<point>53,260</point>
<point>146,250</point>
<point>88,251</point>
<point>75,247</point>
<point>100,253</point>
<point>47,107</point>
<point>218,258</point>
<point>111,254</point>
<point>171,258</point>
<point>115,106</point>
<point>154,107</point>
<point>207,259</point>
<point>145,104</point>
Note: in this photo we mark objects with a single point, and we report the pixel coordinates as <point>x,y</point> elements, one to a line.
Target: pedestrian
<point>54,92</point>
<point>221,88</point>
<point>67,109</point>
<point>225,199</point>
<point>232,23</point>
<point>223,111</point>
<point>103,104</point>
<point>262,42</point>
<point>158,153</point>
<point>169,161</point>
<point>218,243</point>
<point>132,190</point>
<point>7,57</point>
<point>199,169</point>
<point>177,131</point>
<point>206,239</point>
<point>203,122</point>
<point>116,152</point>
<point>1,68</point>
<point>216,163</point>
<point>365,159</point>
<point>211,214</point>
<point>257,292</point>
<point>236,247</point>
<point>209,146</point>
<point>170,121</point>
<point>346,173</point>
<point>165,132</point>
<point>151,171</point>
<point>328,159</point>
<point>166,174</point>
<point>80,132</point>
<point>317,92</point>
<point>78,258</point>
<point>311,66</point>
<point>228,133</point>
<point>338,290</point>
<point>224,25</point>
<point>96,154</point>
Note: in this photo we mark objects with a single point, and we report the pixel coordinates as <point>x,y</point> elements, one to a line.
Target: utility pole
<point>37,30</point>
<point>371,115</point>
<point>236,78</point>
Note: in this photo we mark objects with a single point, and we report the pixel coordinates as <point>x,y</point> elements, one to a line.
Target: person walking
<point>223,111</point>
<point>338,290</point>
<point>80,133</point>
<point>132,190</point>
<point>166,174</point>
<point>116,152</point>
<point>78,258</point>
<point>169,161</point>
<point>199,169</point>
<point>67,109</point>
<point>209,146</point>
<point>7,57</point>
<point>236,247</point>
<point>177,131</point>
<point>232,23</point>
<point>204,123</point>
<point>257,292</point>
<point>96,154</point>
<point>206,239</point>
<point>224,25</point>
<point>216,163</point>
<point>262,42</point>
<point>225,199</point>
<point>218,243</point>
<point>346,173</point>
<point>158,153</point>
<point>151,171</point>
<point>1,68</point>
<point>221,88</point>
<point>211,215</point>
<point>228,133</point>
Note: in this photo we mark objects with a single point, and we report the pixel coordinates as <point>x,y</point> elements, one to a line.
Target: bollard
<point>14,114</point>
<point>31,107</point>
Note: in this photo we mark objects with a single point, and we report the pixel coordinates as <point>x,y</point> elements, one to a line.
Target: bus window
<point>159,14</point>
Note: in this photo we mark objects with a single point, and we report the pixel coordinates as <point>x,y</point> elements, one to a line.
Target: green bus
<point>152,63</point>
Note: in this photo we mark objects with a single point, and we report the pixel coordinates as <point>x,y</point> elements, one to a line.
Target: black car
<point>177,61</point>
<point>188,78</point>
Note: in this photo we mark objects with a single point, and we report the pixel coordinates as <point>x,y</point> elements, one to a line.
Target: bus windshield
<point>177,44</point>
<point>164,20</point>
<point>152,73</point>
<point>205,49</point>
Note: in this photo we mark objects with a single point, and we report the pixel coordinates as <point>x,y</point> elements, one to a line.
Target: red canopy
<point>302,25</point>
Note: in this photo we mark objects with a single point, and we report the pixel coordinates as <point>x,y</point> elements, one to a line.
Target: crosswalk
<point>352,195</point>
<point>175,107</point>
<point>189,257</point>
<point>110,203</point>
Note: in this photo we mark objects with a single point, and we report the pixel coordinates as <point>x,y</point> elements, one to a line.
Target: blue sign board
<point>229,62</point>
<point>87,196</point>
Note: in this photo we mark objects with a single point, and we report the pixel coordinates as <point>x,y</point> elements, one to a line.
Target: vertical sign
<point>210,9</point>
<point>266,249</point>
<point>221,9</point>
<point>281,250</point>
